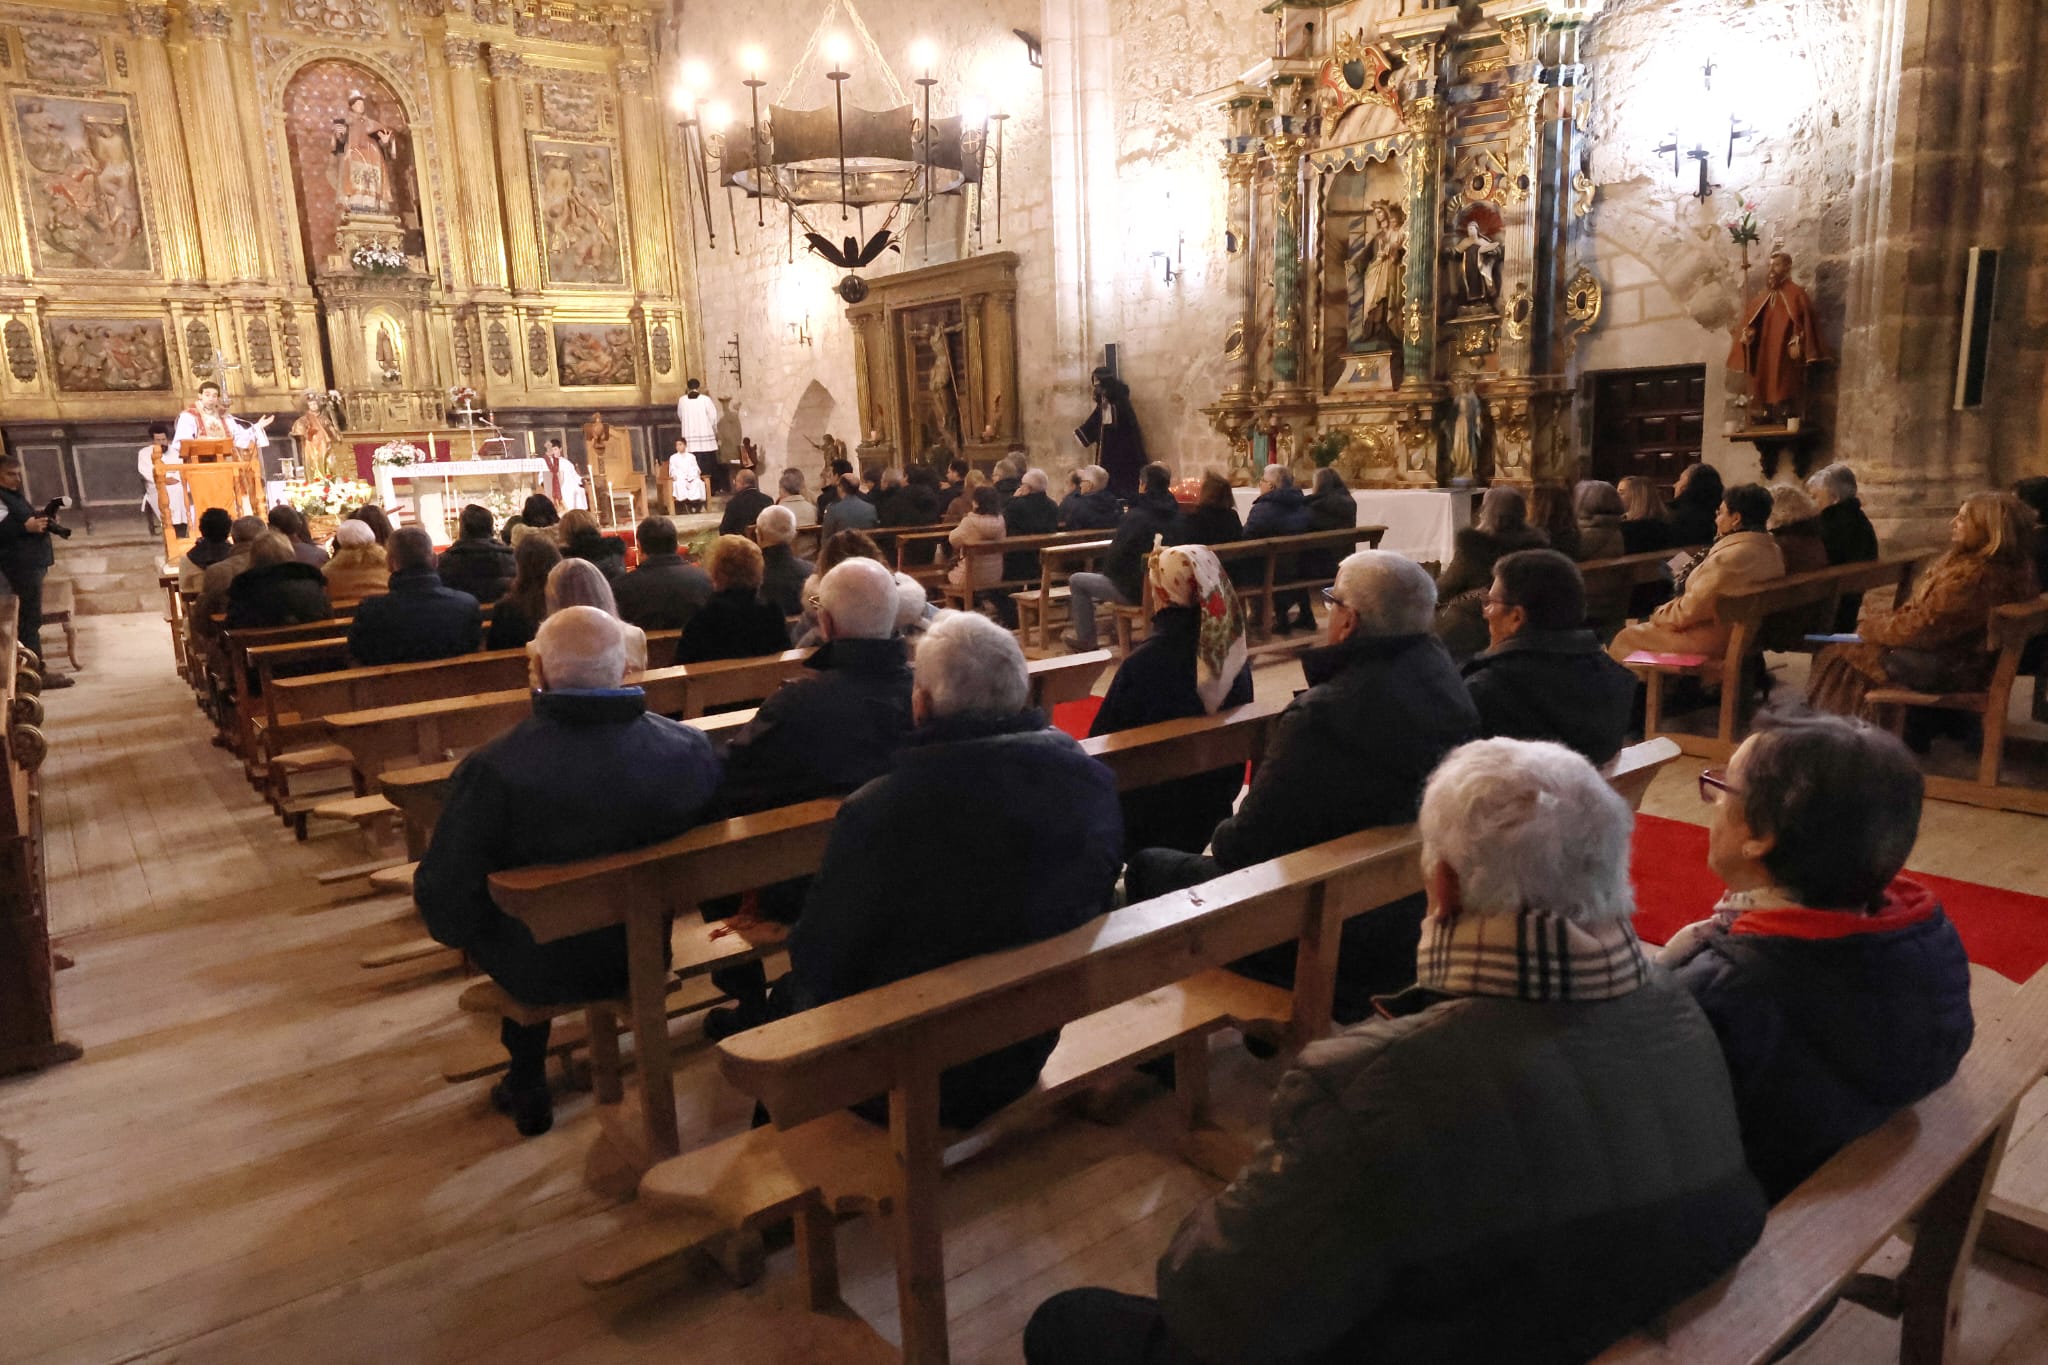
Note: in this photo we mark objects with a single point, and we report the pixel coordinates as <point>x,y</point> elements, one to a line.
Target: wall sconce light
<point>1033,49</point>
<point>800,332</point>
<point>1700,134</point>
<point>1173,257</point>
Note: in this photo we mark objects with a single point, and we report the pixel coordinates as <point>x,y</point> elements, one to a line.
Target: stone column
<point>220,173</point>
<point>640,136</point>
<point>161,141</point>
<point>522,241</point>
<point>1422,165</point>
<point>1238,169</point>
<point>1289,335</point>
<point>482,231</point>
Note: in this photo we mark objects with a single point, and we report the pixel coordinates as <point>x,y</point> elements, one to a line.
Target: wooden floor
<point>257,1160</point>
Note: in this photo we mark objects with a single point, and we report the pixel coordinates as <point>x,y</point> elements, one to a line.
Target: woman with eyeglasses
<point>1838,988</point>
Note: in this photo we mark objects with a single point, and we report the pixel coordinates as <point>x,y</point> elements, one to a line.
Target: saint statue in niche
<point>364,151</point>
<point>1468,431</point>
<point>1778,339</point>
<point>1475,263</point>
<point>1377,245</point>
<point>316,431</point>
<point>938,407</point>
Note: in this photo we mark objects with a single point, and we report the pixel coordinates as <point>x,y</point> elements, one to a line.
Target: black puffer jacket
<point>481,567</point>
<point>1200,525</point>
<point>1461,587</point>
<point>420,618</point>
<point>1097,511</point>
<point>277,595</point>
<point>1326,512</point>
<point>1557,685</point>
<point>1831,1021</point>
<point>1150,515</point>
<point>1020,840</point>
<point>1486,1180</point>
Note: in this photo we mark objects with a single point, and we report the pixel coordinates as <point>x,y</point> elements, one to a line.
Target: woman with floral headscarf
<point>1191,663</point>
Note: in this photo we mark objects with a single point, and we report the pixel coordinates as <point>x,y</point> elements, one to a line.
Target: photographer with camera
<point>26,555</point>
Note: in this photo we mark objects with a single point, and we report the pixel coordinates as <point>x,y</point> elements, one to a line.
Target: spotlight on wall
<point>1707,126</point>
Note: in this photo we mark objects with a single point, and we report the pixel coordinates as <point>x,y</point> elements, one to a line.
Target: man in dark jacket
<point>478,563</point>
<point>1384,705</point>
<point>1150,516</point>
<point>1030,513</point>
<point>663,593</point>
<point>26,555</point>
<point>1091,506</point>
<point>1544,674</point>
<point>589,773</point>
<point>1845,531</point>
<point>1016,838</point>
<point>1839,990</point>
<point>745,504</point>
<point>825,734</point>
<point>1447,1183</point>
<point>783,575</point>
<point>1281,509</point>
<point>420,617</point>
<point>276,589</point>
<point>850,511</point>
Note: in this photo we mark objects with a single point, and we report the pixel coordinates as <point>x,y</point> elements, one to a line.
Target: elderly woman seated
<point>914,610</point>
<point>1795,525</point>
<point>1192,663</point>
<point>1503,528</point>
<point>1742,556</point>
<point>1838,988</point>
<point>1936,642</point>
<point>580,583</point>
<point>735,623</point>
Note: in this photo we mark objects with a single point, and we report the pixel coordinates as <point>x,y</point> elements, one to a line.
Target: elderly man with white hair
<point>990,830</point>
<point>782,573</point>
<point>825,734</point>
<point>1091,506</point>
<point>1845,530</point>
<point>1531,1153</point>
<point>590,772</point>
<point>1384,705</point>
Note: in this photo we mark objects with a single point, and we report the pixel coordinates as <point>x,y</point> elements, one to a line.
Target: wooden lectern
<point>215,474</point>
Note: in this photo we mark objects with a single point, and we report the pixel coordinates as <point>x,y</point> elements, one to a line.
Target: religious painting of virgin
<point>84,202</point>
<point>576,195</point>
<point>351,155</point>
<point>594,354</point>
<point>111,355</point>
<point>1364,260</point>
<point>935,364</point>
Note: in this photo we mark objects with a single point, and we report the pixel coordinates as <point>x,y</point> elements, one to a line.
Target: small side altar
<point>436,490</point>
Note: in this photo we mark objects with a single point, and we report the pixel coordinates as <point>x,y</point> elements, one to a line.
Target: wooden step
<point>412,950</point>
<point>396,877</point>
<point>360,810</point>
<point>480,1054</point>
<point>336,876</point>
<point>309,759</point>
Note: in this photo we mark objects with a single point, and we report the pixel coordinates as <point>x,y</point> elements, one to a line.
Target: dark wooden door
<point>1648,422</point>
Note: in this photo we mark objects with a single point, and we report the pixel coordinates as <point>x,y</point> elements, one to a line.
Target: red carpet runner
<point>2006,931</point>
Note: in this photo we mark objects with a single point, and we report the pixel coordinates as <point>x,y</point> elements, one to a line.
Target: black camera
<point>50,511</point>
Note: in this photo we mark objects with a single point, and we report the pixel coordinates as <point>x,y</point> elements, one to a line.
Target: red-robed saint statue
<point>1778,340</point>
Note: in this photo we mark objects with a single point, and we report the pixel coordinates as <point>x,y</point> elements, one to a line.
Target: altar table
<point>1421,522</point>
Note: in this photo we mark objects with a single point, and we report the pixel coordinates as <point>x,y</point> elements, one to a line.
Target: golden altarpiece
<point>398,201</point>
<point>1406,198</point>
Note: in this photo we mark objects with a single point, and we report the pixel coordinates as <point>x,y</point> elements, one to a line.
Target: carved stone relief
<point>537,350</point>
<point>21,350</point>
<point>199,348</point>
<point>501,349</point>
<point>262,359</point>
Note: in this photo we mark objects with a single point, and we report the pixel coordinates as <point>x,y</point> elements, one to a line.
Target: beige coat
<point>1690,623</point>
<point>356,572</point>
<point>977,528</point>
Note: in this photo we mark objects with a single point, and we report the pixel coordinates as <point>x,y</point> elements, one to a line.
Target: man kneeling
<point>589,773</point>
<point>990,831</point>
<point>1533,1152</point>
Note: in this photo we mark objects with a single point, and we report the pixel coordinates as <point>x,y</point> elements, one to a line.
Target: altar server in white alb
<point>209,419</point>
<point>685,479</point>
<point>698,414</point>
<point>174,487</point>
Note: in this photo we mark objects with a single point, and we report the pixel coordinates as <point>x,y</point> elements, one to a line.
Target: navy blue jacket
<point>1557,685</point>
<point>1156,683</point>
<point>823,734</point>
<point>662,594</point>
<point>988,833</point>
<point>588,773</point>
<point>1097,511</point>
<point>277,595</point>
<point>418,619</point>
<point>1278,512</point>
<point>1827,1037</point>
<point>480,566</point>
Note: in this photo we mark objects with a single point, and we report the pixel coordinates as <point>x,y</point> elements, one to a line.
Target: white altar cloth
<point>429,486</point>
<point>1421,522</point>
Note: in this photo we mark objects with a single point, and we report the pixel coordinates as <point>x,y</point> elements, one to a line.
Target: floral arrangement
<point>1742,227</point>
<point>1328,447</point>
<point>328,497</point>
<point>397,455</point>
<point>462,400</point>
<point>378,258</point>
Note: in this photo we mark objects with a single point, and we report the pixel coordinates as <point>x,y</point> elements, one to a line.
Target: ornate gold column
<point>640,135</point>
<point>1238,169</point>
<point>12,244</point>
<point>1289,335</point>
<point>522,242</point>
<point>163,144</point>
<point>482,233</point>
<point>1423,164</point>
<point>221,174</point>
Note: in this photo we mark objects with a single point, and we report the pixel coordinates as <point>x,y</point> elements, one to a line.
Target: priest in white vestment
<point>174,488</point>
<point>209,419</point>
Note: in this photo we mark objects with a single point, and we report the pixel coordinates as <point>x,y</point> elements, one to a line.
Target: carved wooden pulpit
<point>215,474</point>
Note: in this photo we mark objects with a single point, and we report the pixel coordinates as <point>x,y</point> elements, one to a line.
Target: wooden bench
<point>174,617</point>
<point>1277,551</point>
<point>1747,613</point>
<point>646,889</point>
<point>2011,629</point>
<point>963,597</point>
<point>1933,1164</point>
<point>1615,579</point>
<point>1136,983</point>
<point>1056,564</point>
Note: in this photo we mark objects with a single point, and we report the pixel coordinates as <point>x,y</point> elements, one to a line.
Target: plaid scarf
<point>1529,955</point>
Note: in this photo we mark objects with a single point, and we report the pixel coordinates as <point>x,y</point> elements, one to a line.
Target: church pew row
<point>1137,983</point>
<point>1614,580</point>
<point>1056,564</point>
<point>647,888</point>
<point>417,791</point>
<point>952,595</point>
<point>2011,629</point>
<point>1749,612</point>
<point>1932,1164</point>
